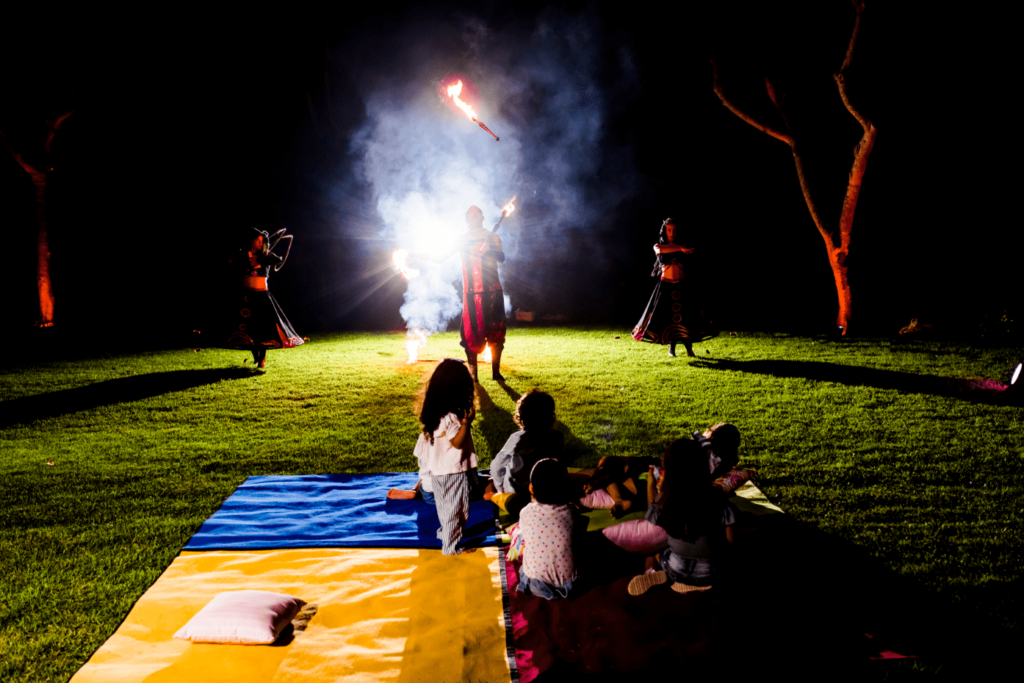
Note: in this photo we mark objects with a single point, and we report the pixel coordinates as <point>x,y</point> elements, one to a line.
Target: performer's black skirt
<point>673,315</point>
<point>257,321</point>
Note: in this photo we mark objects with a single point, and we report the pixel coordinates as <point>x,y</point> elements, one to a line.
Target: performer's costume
<point>257,322</point>
<point>483,302</point>
<point>673,314</point>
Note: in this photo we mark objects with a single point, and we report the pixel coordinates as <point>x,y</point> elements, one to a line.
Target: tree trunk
<point>837,252</point>
<point>838,264</point>
<point>43,281</point>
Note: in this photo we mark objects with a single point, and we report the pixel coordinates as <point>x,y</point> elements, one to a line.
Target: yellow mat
<point>382,615</point>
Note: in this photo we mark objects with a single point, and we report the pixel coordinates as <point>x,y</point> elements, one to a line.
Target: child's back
<point>546,525</point>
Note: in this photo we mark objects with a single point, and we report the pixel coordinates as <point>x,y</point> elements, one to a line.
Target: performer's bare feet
<point>262,364</point>
<point>497,377</point>
<point>672,350</point>
<point>401,494</point>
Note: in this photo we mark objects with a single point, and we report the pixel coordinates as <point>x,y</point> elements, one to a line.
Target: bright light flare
<point>510,207</point>
<point>417,339</point>
<point>1016,373</point>
<point>399,258</point>
<point>486,355</point>
<point>454,91</point>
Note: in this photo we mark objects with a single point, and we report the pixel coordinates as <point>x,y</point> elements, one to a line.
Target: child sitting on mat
<point>445,450</point>
<point>620,477</point>
<point>537,439</point>
<point>695,515</point>
<point>721,441</point>
<point>546,525</point>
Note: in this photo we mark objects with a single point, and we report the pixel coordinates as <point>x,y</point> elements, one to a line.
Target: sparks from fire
<point>454,90</point>
<point>399,258</point>
<point>417,339</point>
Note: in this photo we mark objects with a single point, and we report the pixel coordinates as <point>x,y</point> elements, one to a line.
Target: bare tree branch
<point>54,126</point>
<point>27,167</point>
<point>863,149</point>
<point>778,135</point>
<point>805,187</point>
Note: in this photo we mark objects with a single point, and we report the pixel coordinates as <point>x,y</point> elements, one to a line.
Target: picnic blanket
<point>382,614</point>
<point>331,511</point>
<point>780,599</point>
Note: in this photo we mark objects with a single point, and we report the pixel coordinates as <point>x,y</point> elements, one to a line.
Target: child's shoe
<point>643,583</point>
<point>683,588</point>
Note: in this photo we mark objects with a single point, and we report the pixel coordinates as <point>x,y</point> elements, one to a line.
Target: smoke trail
<point>540,90</point>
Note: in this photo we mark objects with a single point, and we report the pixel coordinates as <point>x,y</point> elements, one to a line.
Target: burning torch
<point>509,208</point>
<point>453,92</point>
<point>399,258</point>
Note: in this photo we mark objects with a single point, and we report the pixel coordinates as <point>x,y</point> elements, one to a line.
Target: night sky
<point>190,129</point>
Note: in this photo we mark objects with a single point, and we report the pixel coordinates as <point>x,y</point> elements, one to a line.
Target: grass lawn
<point>109,463</point>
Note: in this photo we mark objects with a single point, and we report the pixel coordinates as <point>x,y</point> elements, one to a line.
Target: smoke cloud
<point>539,88</point>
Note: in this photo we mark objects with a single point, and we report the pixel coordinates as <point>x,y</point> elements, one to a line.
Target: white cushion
<point>242,617</point>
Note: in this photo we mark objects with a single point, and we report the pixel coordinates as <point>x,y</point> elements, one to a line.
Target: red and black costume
<point>257,322</point>
<point>483,302</point>
<point>673,314</point>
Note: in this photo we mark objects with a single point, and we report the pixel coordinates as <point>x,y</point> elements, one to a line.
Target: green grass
<point>860,438</point>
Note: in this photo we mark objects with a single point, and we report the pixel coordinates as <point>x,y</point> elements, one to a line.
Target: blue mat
<point>331,511</point>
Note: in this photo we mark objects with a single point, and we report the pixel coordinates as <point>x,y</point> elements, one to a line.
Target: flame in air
<point>399,259</point>
<point>486,355</point>
<point>453,92</point>
<point>510,207</point>
<point>416,341</point>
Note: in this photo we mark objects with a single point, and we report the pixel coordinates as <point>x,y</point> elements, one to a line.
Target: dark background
<point>189,128</point>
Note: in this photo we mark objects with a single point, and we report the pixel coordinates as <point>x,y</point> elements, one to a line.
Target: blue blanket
<point>331,511</point>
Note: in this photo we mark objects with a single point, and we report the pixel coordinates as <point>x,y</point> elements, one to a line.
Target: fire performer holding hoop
<point>673,314</point>
<point>258,323</point>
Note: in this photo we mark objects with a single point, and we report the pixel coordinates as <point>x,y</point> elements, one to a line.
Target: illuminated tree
<point>38,174</point>
<point>836,235</point>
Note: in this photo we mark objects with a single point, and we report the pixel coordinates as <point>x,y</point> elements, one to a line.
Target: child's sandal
<point>683,588</point>
<point>643,583</point>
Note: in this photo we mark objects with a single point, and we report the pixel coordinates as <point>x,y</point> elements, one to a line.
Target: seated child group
<point>682,490</point>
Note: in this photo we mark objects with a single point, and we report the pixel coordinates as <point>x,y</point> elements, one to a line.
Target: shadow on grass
<point>788,598</point>
<point>974,390</point>
<point>109,392</point>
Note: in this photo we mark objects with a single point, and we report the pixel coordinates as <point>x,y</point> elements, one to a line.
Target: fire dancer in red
<point>258,323</point>
<point>483,301</point>
<point>673,314</point>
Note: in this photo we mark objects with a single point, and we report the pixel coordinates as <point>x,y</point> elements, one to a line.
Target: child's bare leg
<point>403,494</point>
<point>624,495</point>
<point>490,491</point>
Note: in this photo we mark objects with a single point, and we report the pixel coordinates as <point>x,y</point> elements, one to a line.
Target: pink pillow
<point>597,500</point>
<point>637,536</point>
<point>242,618</point>
<point>733,479</point>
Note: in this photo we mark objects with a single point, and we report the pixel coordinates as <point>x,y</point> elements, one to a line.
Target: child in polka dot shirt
<point>546,525</point>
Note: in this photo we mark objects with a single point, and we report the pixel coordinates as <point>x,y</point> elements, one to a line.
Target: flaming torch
<point>509,208</point>
<point>399,258</point>
<point>453,92</point>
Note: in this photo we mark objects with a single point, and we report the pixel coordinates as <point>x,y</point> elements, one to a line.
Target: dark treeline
<point>187,132</point>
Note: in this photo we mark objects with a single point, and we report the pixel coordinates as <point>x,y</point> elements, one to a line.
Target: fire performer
<point>258,323</point>
<point>673,314</point>
<point>483,301</point>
